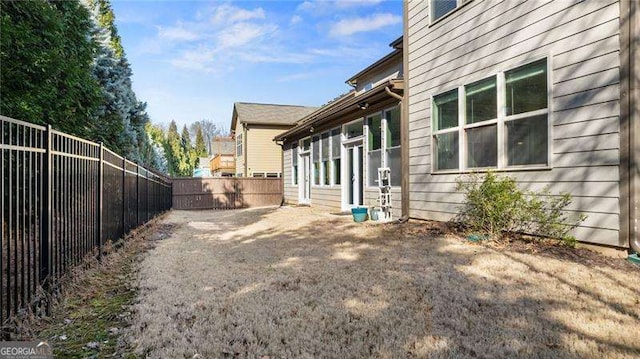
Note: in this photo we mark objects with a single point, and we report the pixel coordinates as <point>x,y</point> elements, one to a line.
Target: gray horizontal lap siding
<point>581,40</point>
<point>290,190</point>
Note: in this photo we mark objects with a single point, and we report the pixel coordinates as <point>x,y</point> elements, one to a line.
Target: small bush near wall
<point>494,205</point>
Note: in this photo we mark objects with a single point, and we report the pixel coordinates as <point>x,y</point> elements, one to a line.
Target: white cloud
<point>346,27</point>
<point>322,6</point>
<point>295,19</point>
<point>177,33</point>
<point>229,14</point>
<point>242,33</point>
<point>199,60</point>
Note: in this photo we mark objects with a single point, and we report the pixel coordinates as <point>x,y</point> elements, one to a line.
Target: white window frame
<point>385,159</point>
<point>501,121</point>
<point>313,162</point>
<point>294,175</point>
<point>239,144</point>
<point>332,156</point>
<point>433,20</point>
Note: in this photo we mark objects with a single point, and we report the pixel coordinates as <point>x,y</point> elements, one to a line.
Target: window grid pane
<point>527,141</point>
<point>336,171</point>
<point>446,110</point>
<point>375,132</point>
<point>374,163</point>
<point>394,163</point>
<point>393,127</point>
<point>354,129</point>
<point>526,88</point>
<point>447,151</point>
<point>442,7</point>
<point>481,101</point>
<point>335,143</point>
<point>325,146</point>
<point>482,146</point>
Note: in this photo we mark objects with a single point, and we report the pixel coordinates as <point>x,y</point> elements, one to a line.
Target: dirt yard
<point>299,283</point>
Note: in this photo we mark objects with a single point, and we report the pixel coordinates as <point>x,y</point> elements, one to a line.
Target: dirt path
<point>299,283</point>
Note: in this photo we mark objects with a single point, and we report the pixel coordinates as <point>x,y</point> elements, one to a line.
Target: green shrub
<point>494,205</point>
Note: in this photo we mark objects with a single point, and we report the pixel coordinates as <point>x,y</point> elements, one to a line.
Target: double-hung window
<point>294,166</point>
<point>315,149</point>
<point>374,155</point>
<point>335,155</point>
<point>239,145</point>
<point>498,122</point>
<point>325,148</point>
<point>527,113</point>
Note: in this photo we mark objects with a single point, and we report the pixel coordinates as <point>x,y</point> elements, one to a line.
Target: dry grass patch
<point>93,308</point>
<point>297,282</point>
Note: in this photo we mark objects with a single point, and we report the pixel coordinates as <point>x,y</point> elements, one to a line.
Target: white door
<point>305,180</point>
<point>353,188</point>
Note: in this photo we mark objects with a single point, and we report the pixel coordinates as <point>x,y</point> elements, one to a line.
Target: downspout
<point>281,144</point>
<point>629,127</point>
<point>403,158</point>
<point>634,126</point>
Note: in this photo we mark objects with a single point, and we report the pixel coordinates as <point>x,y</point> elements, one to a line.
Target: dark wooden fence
<point>226,193</point>
<point>63,197</point>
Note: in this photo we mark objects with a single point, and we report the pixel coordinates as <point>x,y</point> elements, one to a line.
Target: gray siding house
<point>331,156</point>
<point>544,91</point>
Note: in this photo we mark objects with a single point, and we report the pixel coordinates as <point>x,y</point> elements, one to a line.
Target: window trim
<point>239,144</point>
<point>501,121</point>
<point>295,149</point>
<point>459,5</point>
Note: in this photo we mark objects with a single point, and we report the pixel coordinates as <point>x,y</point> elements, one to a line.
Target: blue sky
<point>193,59</point>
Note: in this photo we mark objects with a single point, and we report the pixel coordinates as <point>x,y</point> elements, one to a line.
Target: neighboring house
<point>254,125</point>
<point>222,162</point>
<point>544,91</point>
<point>332,156</point>
<point>202,170</point>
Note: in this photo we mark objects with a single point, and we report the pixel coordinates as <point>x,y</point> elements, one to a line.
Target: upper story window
<point>467,121</point>
<point>440,8</point>
<point>239,145</point>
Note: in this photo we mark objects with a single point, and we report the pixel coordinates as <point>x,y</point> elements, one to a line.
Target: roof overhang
<point>346,109</point>
<point>397,53</point>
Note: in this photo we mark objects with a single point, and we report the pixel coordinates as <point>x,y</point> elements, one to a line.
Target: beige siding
<point>290,190</point>
<point>581,40</point>
<point>263,154</point>
<point>327,198</point>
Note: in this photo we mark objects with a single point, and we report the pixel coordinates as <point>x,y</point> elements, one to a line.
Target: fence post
<point>124,204</point>
<point>100,200</point>
<point>46,232</point>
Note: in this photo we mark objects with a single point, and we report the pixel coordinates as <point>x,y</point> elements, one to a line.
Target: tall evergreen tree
<point>45,64</point>
<point>201,147</point>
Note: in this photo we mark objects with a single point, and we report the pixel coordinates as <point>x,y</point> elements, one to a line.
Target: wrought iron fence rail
<point>63,197</point>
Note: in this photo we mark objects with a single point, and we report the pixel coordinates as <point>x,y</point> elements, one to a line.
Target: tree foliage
<point>62,62</point>
<point>46,57</point>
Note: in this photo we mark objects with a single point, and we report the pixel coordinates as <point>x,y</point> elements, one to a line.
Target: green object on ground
<point>633,258</point>
<point>477,237</point>
<point>359,214</point>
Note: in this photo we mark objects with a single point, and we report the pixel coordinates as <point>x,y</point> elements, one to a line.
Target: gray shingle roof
<point>259,113</point>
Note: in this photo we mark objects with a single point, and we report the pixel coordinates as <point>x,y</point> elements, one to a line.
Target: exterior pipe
<point>405,187</point>
<point>393,94</point>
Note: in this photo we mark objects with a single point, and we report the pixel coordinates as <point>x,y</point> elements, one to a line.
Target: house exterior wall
<point>481,38</point>
<point>391,70</point>
<point>262,153</point>
<point>290,189</point>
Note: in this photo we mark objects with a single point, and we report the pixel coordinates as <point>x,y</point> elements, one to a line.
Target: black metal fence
<point>63,197</point>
